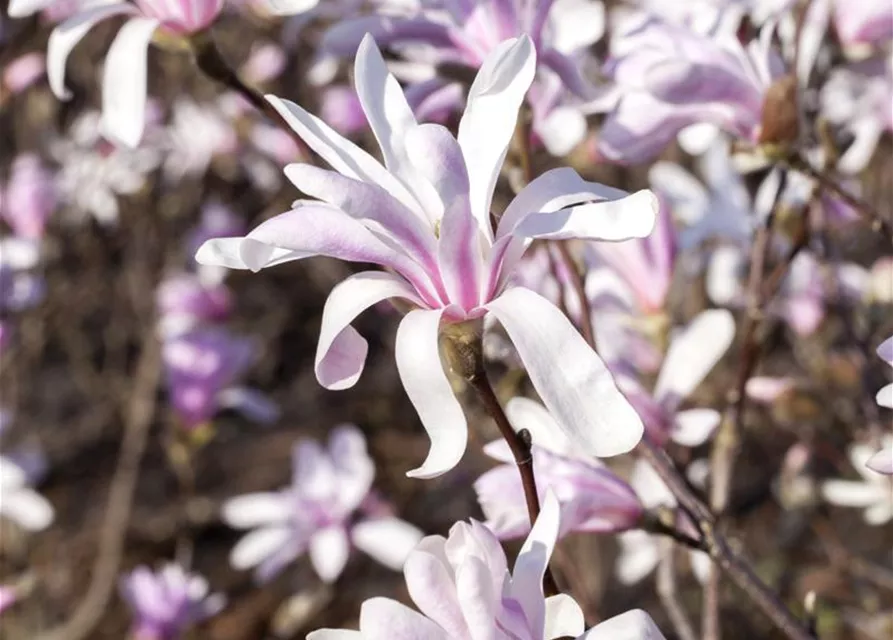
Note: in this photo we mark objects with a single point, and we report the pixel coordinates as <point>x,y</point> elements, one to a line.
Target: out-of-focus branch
<point>667,591</point>
<point>140,412</point>
<point>579,286</point>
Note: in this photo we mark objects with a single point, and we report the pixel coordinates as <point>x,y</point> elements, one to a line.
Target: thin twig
<point>579,286</point>
<point>667,591</point>
<point>120,498</point>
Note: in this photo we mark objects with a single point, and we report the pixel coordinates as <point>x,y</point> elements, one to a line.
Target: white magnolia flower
<point>873,492</point>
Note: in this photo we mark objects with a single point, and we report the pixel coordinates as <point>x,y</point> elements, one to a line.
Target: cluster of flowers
<point>731,82</point>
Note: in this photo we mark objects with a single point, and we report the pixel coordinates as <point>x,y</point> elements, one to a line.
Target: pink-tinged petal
<point>124,82</point>
<point>344,38</point>
<point>488,124</point>
<point>27,508</point>
<point>692,428</point>
<point>353,466</point>
<point>65,36</point>
<point>693,352</point>
<point>385,619</point>
<point>313,473</point>
<point>256,509</point>
<point>434,100</point>
<point>477,599</point>
<point>226,252</point>
<point>632,625</point>
<point>884,396</point>
<point>341,351</point>
<point>390,541</point>
<point>344,156</point>
<point>563,617</point>
<point>767,389</point>
<point>437,156</point>
<point>885,351</point>
<point>368,203</point>
<point>572,380</point>
<point>430,585</point>
<point>429,390</point>
<point>532,561</point>
<point>258,545</point>
<point>328,551</point>
<point>459,255</point>
<point>613,220</point>
<point>850,493</point>
<point>23,8</point>
<point>568,69</point>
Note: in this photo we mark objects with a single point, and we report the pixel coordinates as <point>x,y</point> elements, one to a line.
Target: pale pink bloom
<point>184,302</point>
<point>29,197</point>
<point>425,215</point>
<point>124,75</point>
<point>873,492</point>
<point>341,108</point>
<point>766,389</point>
<point>864,22</point>
<point>167,603</point>
<point>195,135</point>
<point>591,496</point>
<point>463,589</point>
<point>693,352</point>
<point>24,71</point>
<point>265,63</point>
<point>639,550</point>
<point>8,597</point>
<point>323,513</point>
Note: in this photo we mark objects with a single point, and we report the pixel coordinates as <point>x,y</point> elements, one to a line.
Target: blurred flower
<point>124,73</point>
<point>166,604</point>
<point>322,513</point>
<point>463,589</point>
<point>640,551</point>
<point>29,197</point>
<point>465,34</point>
<point>202,368</point>
<point>18,471</point>
<point>195,135</point>
<point>693,352</point>
<point>426,217</point>
<point>8,597</point>
<point>866,22</point>
<point>184,302</point>
<point>19,288</point>
<point>882,461</point>
<point>94,173</point>
<point>23,72</point>
<point>592,498</point>
<point>341,108</point>
<point>874,492</point>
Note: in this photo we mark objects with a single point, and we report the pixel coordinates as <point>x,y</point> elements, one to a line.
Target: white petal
<point>491,112</point>
<point>341,351</point>
<point>334,634</point>
<point>257,509</point>
<point>848,493</point>
<point>692,428</point>
<point>532,561</point>
<point>524,413</point>
<point>697,138</point>
<point>572,380</point>
<point>257,546</point>
<point>66,36</point>
<point>328,550</point>
<point>632,625</point>
<point>426,384</point>
<point>562,130</point>
<point>388,540</point>
<point>27,508</point>
<point>227,252</point>
<point>563,617</point>
<point>693,352</point>
<point>879,514</point>
<point>700,565</point>
<point>124,82</point>
<point>884,396</point>
<point>638,558</point>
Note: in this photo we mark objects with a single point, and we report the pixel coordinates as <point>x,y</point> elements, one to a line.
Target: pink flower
<point>865,22</point>
<point>592,498</point>
<point>425,215</point>
<point>24,71</point>
<point>124,75</point>
<point>463,589</point>
<point>323,513</point>
<point>184,302</point>
<point>29,198</point>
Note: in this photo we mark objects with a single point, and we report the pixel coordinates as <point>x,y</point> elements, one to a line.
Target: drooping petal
<point>387,540</point>
<point>692,428</point>
<point>563,617</point>
<point>65,36</point>
<point>488,123</point>
<point>632,625</point>
<point>572,380</point>
<point>124,82</point>
<point>693,352</point>
<point>385,619</point>
<point>426,384</point>
<point>328,551</point>
<point>256,509</point>
<point>341,351</point>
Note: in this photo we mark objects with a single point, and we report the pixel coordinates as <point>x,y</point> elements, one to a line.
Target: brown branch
<point>579,286</point>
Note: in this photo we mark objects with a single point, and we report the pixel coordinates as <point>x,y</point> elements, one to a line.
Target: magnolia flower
<point>868,22</point>
<point>18,472</point>
<point>463,589</point>
<point>184,302</point>
<point>124,75</point>
<point>873,492</point>
<point>167,603</point>
<point>23,72</point>
<point>882,461</point>
<point>20,289</point>
<point>671,77</point>
<point>194,136</point>
<point>29,197</point>
<point>425,215</point>
<point>465,34</point>
<point>592,498</point>
<point>202,368</point>
<point>692,354</point>
<point>323,513</point>
<point>640,551</point>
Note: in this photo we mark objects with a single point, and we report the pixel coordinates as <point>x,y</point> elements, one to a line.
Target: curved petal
<point>258,545</point>
<point>572,380</point>
<point>124,82</point>
<point>488,123</point>
<point>477,599</point>
<point>335,634</point>
<point>27,508</point>
<point>344,156</point>
<point>354,468</point>
<point>385,619</point>
<point>563,617</point>
<point>436,154</point>
<point>632,625</point>
<point>387,540</point>
<point>430,583</point>
<point>692,428</point>
<point>429,390</point>
<point>341,351</point>
<point>850,493</point>
<point>329,549</point>
<point>882,461</point>
<point>256,509</point>
<point>344,38</point>
<point>693,352</point>
<point>65,37</point>
<point>227,252</point>
<point>568,69</point>
<point>524,413</point>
